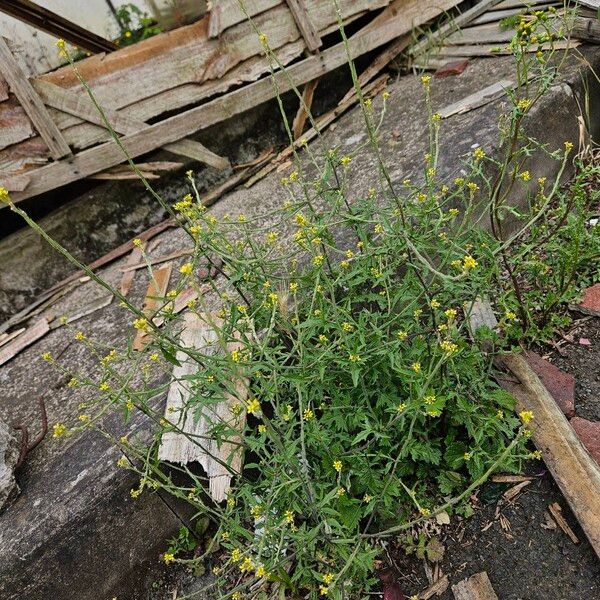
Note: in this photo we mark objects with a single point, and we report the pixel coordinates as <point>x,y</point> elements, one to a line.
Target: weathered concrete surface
<point>9,455</point>
<point>74,515</point>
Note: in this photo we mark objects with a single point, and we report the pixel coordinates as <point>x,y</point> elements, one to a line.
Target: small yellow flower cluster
<point>347,327</point>
<point>58,430</point>
<point>256,511</point>
<point>318,260</point>
<point>416,367</point>
<point>429,399</point>
<point>337,465</point>
<point>308,414</point>
<point>253,407</point>
<point>187,268</point>
<point>236,555</point>
<point>4,196</point>
<point>323,339</point>
<point>140,324</point>
<point>80,336</point>
<point>354,358</point>
<point>525,176</point>
<point>401,407</point>
<point>168,557</point>
<point>448,347</point>
<point>469,262</point>
<point>345,160</point>
<point>47,356</point>
<point>426,80</point>
<point>288,517</point>
<point>526,416</point>
<point>479,154</point>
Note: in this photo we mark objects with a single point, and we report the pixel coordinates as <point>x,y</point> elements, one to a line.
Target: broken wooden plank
<point>31,103</point>
<point>307,29</point>
<point>478,99</point>
<point>154,299</point>
<point>221,459</point>
<point>490,50</point>
<point>304,109</point>
<point>28,337</point>
<point>575,472</point>
<point>97,159</point>
<point>81,105</point>
<point>128,276</point>
<point>437,588</point>
<point>490,33</point>
<point>7,337</point>
<point>134,266</point>
<point>585,29</point>
<point>477,587</point>
<point>556,512</point>
<point>450,27</point>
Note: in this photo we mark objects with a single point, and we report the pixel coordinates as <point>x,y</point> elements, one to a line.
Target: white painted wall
<point>37,49</point>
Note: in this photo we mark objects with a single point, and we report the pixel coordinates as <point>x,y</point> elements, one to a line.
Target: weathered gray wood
<point>307,29</point>
<point>403,18</point>
<point>490,50</point>
<point>494,16</point>
<point>480,34</point>
<point>80,105</point>
<point>9,456</point>
<point>586,29</point>
<point>523,3</point>
<point>456,23</point>
<point>3,89</point>
<point>221,460</point>
<point>477,587</point>
<point>574,470</point>
<point>28,337</point>
<point>226,13</point>
<point>480,98</point>
<point>31,103</point>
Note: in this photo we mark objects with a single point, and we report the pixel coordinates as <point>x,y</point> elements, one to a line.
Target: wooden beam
<point>477,587</point>
<point>452,26</point>
<point>31,103</point>
<point>305,26</point>
<point>44,19</point>
<point>81,106</point>
<point>405,16</point>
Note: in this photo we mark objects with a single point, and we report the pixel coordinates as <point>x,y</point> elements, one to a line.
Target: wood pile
<point>52,134</point>
<point>486,30</point>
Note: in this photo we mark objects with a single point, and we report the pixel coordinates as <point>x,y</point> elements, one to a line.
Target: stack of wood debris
<point>487,29</point>
<point>53,134</point>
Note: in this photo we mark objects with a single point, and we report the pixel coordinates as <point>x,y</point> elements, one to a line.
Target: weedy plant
<point>369,407</point>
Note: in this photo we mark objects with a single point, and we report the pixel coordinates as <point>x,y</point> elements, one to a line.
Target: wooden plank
<point>220,459</point>
<point>41,18</point>
<point>31,103</point>
<point>128,277</point>
<point>489,33</point>
<point>28,337</point>
<point>154,299</point>
<point>7,337</point>
<point>477,99</point>
<point>303,110</point>
<point>3,89</point>
<point>490,50</point>
<point>494,16</point>
<point>477,587</point>
<point>227,13</point>
<point>97,159</point>
<point>576,473</point>
<point>586,29</point>
<point>523,3</point>
<point>450,27</point>
<point>15,125</point>
<point>81,105</point>
<point>307,29</point>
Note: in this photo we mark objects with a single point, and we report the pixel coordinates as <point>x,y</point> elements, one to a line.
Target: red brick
<point>591,300</point>
<point>455,67</point>
<point>589,434</point>
<point>561,385</point>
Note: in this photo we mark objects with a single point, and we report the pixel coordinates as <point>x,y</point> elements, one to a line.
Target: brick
<point>455,67</point>
<point>561,385</point>
<point>589,434</point>
<point>590,302</point>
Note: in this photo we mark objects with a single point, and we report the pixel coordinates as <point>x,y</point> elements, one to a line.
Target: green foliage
<point>136,24</point>
<point>343,330</point>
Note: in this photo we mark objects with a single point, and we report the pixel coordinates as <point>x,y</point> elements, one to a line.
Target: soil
<point>524,559</point>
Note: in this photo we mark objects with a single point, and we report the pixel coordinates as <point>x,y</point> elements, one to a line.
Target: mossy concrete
<point>75,532</point>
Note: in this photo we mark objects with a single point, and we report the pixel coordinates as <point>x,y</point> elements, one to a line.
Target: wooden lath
<point>48,21</point>
<point>399,18</point>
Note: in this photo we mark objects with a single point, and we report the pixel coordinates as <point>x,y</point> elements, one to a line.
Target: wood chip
<point>153,301</point>
<point>556,512</point>
<point>514,491</point>
<point>28,337</point>
<point>220,459</point>
<point>511,478</point>
<point>477,587</point>
<point>435,589</point>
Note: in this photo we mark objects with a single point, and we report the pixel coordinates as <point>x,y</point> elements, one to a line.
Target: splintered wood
<point>155,297</point>
<point>196,416</point>
<point>477,587</point>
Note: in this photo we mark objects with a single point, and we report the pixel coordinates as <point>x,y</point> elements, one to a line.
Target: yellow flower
<point>523,104</point>
<point>72,383</point>
<point>469,262</point>
<point>231,502</point>
<point>187,268</point>
<point>435,304</point>
<point>293,287</point>
<point>323,590</point>
<point>323,339</point>
<point>236,555</point>
<point>256,511</point>
<point>345,160</point>
<point>262,428</point>
<point>467,456</point>
<point>168,557</point>
<point>122,462</point>
<point>354,358</point>
<point>448,347</point>
<point>425,512</point>
<point>253,406</point>
<point>347,327</point>
<point>509,315</point>
<point>262,38</point>
<point>308,414</point>
<point>289,516</point>
<point>140,323</point>
<point>318,260</point>
<point>378,228</point>
<point>80,336</point>
<point>402,335</point>
<point>473,187</point>
<point>260,572</point>
<point>58,430</point>
<point>337,465</point>
<point>344,264</point>
<point>104,387</point>
<point>537,454</point>
<point>416,367</point>
<point>450,314</point>
<point>328,578</point>
<point>341,491</point>
<point>236,596</point>
<point>429,399</point>
<point>478,154</point>
<point>425,80</point>
<point>247,565</point>
<point>568,146</point>
<point>47,356</point>
<point>273,297</point>
<point>526,416</point>
<point>525,175</point>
